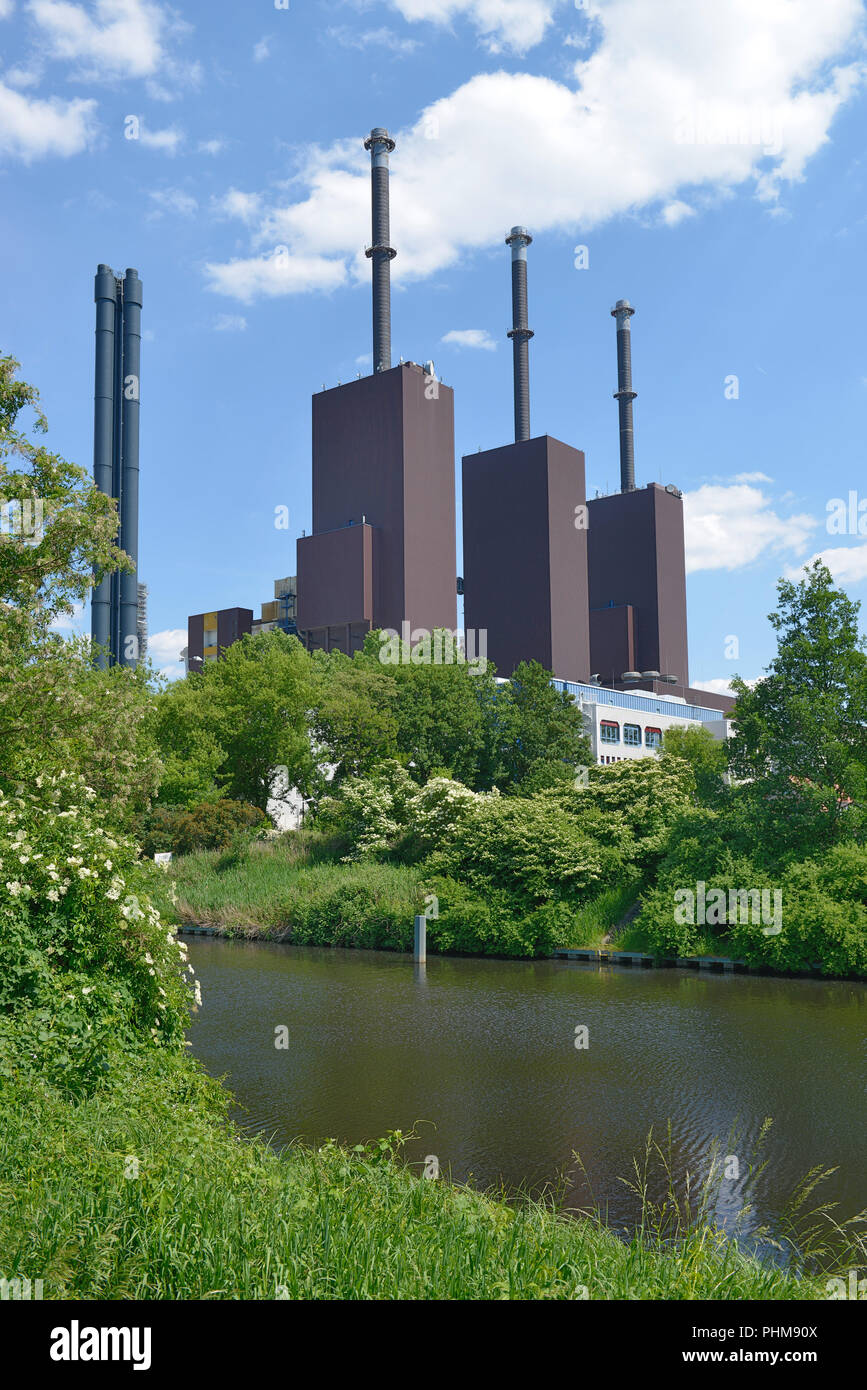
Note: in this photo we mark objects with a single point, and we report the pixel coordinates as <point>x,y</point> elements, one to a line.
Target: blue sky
<point>710,157</point>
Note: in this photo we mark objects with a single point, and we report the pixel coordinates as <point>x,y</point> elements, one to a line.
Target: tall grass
<point>273,889</point>
<point>145,1191</point>
<point>602,913</point>
<point>282,889</point>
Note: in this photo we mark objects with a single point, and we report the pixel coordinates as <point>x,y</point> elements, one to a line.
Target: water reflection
<point>480,1057</point>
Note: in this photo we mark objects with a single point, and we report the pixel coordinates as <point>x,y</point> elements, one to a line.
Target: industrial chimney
<point>380,253</point>
<point>519,239</point>
<point>128,643</point>
<point>624,395</point>
<point>117,397</point>
<point>105,294</point>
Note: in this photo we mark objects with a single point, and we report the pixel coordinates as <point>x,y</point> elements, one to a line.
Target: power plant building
<point>593,589</point>
<point>383,549</point>
<point>525,537</point>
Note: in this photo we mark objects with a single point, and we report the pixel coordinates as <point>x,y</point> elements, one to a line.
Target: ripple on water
<point>482,1053</point>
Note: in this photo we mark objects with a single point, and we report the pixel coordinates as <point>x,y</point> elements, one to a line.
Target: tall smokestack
<point>624,395</point>
<point>380,253</point>
<point>117,393</point>
<point>127,652</point>
<point>105,295</point>
<point>519,239</point>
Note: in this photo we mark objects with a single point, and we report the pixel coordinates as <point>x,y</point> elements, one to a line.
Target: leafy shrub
<point>824,919</point>
<point>665,935</point>
<point>436,815</point>
<point>210,825</point>
<point>389,812</point>
<point>371,812</point>
<point>528,846</point>
<point>646,795</point>
<point>476,924</point>
<point>349,913</point>
<point>824,908</point>
<point>86,964</point>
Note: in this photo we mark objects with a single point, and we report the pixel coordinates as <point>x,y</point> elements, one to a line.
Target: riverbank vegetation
<point>763,836</point>
<point>434,787</point>
<point>143,1190</point>
<point>122,1177</point>
<point>120,1174</point>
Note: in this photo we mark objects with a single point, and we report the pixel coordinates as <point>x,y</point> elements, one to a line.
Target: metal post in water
<point>419,949</point>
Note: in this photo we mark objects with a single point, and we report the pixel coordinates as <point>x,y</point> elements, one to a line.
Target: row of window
<point>610,733</point>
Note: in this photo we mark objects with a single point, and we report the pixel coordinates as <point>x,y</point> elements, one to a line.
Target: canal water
<point>480,1058</point>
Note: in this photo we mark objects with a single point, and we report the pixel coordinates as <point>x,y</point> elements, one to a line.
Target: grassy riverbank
<point>275,890</point>
<point>286,889</point>
<point>143,1190</point>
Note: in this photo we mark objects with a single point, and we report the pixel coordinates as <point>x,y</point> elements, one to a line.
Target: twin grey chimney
<point>115,600</point>
<point>380,253</point>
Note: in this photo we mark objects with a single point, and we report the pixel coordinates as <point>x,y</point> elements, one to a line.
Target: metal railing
<point>622,699</point>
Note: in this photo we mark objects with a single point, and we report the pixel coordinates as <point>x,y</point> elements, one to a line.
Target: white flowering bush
<point>87,966</point>
<point>439,810</point>
<point>372,811</point>
<point>390,811</point>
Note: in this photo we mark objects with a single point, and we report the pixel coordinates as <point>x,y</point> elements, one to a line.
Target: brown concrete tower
<point>636,563</point>
<point>382,551</point>
<point>524,525</point>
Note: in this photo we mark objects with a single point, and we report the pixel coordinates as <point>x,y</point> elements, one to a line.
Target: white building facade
<point>630,723</point>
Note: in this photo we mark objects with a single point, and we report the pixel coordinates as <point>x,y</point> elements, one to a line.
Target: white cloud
<point>121,38</point>
<point>637,104</point>
<point>114,39</point>
<point>847,563</point>
<point>70,624</point>
<point>371,38</point>
<point>5,9</point>
<point>168,139</point>
<point>32,128</point>
<point>275,274</point>
<point>215,146</point>
<point>729,527</point>
<point>364,360</point>
<point>675,212</point>
<point>758,478</point>
<point>515,24</point>
<point>172,200</point>
<point>246,206</point>
<point>262,50</point>
<point>470,338</point>
<point>165,647</point>
<point>230,323</point>
<point>720,685</point>
<point>23,77</point>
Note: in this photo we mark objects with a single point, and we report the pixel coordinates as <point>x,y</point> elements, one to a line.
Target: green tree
<point>539,730</point>
<point>353,713</point>
<point>191,755</point>
<point>439,709</point>
<point>241,723</point>
<point>706,755</point>
<point>801,731</point>
<point>46,566</point>
<point>57,713</point>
